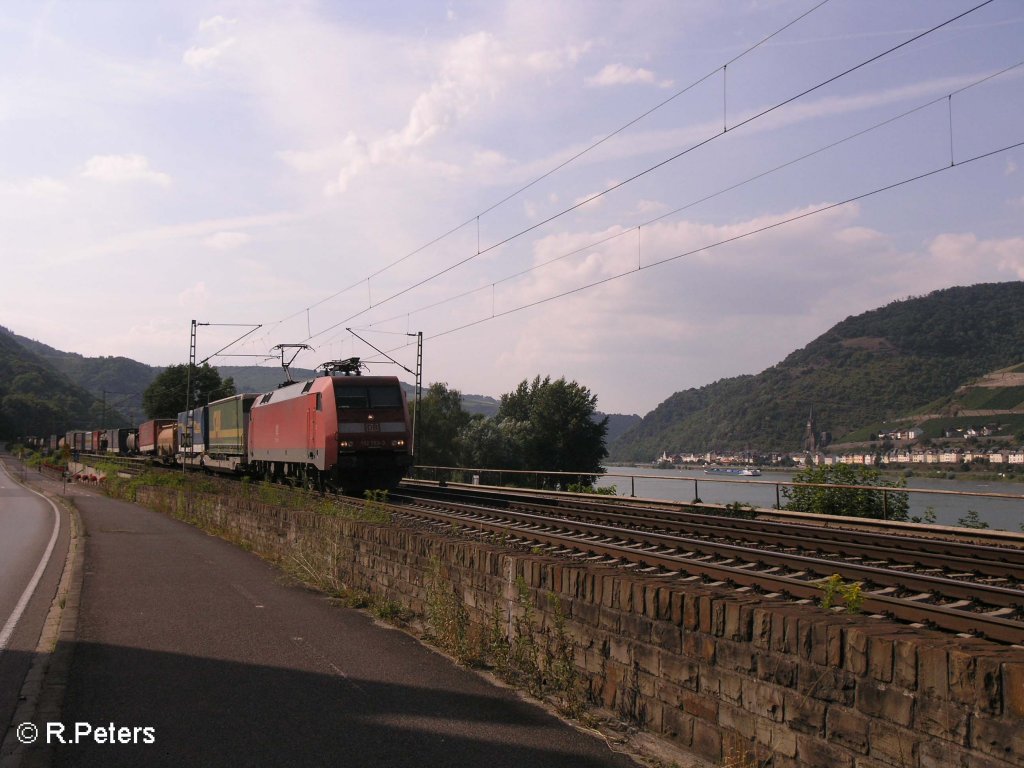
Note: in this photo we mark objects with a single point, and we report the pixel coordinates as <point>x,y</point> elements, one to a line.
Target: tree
<point>441,418</point>
<point>490,444</point>
<point>558,418</point>
<point>165,397</point>
<point>853,502</point>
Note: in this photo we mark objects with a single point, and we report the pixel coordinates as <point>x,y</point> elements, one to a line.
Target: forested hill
<point>885,363</point>
<point>37,400</point>
<point>120,381</point>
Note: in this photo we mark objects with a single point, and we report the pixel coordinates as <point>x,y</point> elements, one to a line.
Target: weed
<point>390,611</point>
<point>928,517</point>
<point>562,677</point>
<point>740,510</point>
<point>831,588</point>
<point>738,753</point>
<point>357,598</point>
<point>375,508</point>
<point>972,520</point>
<point>447,616</point>
<point>852,595</point>
<point>608,490</point>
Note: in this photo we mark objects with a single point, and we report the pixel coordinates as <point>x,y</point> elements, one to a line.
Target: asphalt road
<point>30,569</point>
<point>204,645</point>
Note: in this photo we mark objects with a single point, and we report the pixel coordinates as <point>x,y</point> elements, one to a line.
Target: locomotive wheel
<point>314,482</point>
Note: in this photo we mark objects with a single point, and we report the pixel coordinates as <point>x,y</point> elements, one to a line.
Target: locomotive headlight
<point>346,444</point>
<point>398,443</point>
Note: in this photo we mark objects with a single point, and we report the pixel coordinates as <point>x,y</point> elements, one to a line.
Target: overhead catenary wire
<point>759,230</point>
<point>573,158</point>
<point>611,188</point>
<point>636,228</point>
<point>706,198</point>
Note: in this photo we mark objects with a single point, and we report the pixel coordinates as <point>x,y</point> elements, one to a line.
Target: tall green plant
<point>826,493</point>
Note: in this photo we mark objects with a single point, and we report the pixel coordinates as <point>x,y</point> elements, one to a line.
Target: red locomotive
<point>341,429</point>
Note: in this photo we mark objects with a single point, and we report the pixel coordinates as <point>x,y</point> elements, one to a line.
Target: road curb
<point>42,693</point>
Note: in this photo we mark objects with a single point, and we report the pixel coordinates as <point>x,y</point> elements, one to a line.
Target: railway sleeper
<point>920,597</point>
<point>1004,612</point>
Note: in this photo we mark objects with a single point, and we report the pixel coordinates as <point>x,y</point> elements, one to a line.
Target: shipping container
<point>148,433</point>
<point>191,437</point>
<point>167,442</point>
<point>119,441</point>
<point>75,440</point>
<point>227,423</point>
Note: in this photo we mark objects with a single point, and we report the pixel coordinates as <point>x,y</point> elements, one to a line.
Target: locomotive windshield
<point>383,396</point>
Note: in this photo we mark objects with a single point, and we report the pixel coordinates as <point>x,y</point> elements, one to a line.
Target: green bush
<point>849,497</point>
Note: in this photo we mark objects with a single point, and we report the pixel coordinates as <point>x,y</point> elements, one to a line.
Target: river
<point>683,485</point>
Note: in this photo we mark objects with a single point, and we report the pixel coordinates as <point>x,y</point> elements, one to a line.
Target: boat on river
<point>741,471</point>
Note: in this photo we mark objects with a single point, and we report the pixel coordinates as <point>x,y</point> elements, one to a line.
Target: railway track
<point>953,585</point>
<point>946,582</point>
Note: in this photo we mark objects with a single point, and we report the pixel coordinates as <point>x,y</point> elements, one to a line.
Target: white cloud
<point>473,70</point>
<point>471,73</point>
<point>490,160</point>
<point>43,187</point>
<point>592,200</point>
<point>145,239</point>
<point>216,24</point>
<point>117,169</point>
<point>966,254</point>
<point>648,208</point>
<point>556,59</point>
<point>226,241</point>
<point>620,74</point>
<point>1011,167</point>
<point>195,296</point>
<point>203,57</point>
<point>858,235</point>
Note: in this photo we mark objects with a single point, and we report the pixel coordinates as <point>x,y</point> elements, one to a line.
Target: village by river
<point>686,484</point>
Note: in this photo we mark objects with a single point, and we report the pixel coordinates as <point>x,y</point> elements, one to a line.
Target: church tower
<point>811,434</point>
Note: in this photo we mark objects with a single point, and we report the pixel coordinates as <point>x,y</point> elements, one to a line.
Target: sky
<point>639,196</point>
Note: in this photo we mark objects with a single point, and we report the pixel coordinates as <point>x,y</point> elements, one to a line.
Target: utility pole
<point>189,405</point>
<point>419,389</point>
<point>187,436</point>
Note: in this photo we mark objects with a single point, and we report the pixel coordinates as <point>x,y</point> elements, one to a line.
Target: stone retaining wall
<point>710,669</point>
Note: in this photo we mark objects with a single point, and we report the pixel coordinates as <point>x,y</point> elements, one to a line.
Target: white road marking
<point>8,629</point>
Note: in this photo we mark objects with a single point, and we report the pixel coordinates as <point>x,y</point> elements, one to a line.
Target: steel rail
<point>995,627</point>
<point>952,588</point>
<point>998,562</point>
<point>920,530</point>
<point>1001,562</point>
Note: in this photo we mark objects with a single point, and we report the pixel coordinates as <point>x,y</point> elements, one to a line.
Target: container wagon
<point>227,441</point>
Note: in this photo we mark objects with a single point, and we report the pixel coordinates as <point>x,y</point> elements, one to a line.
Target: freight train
<point>339,430</point>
